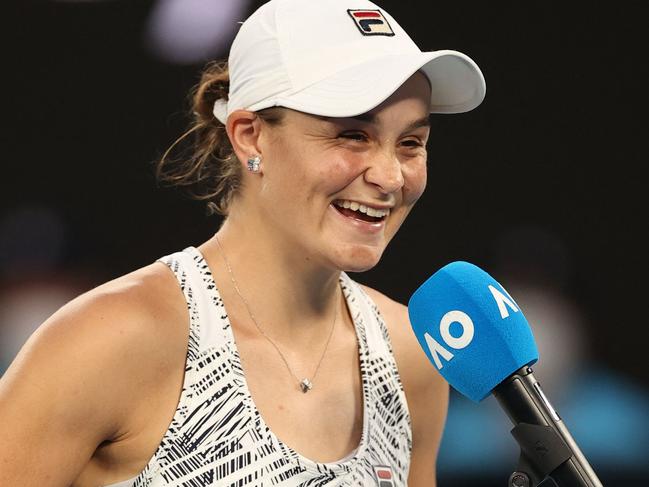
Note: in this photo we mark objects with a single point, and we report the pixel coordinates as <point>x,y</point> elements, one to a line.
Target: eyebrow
<point>422,122</point>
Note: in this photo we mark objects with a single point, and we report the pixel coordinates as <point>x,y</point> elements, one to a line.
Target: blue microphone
<point>477,337</point>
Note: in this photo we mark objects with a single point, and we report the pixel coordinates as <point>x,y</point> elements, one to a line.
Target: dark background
<point>547,178</point>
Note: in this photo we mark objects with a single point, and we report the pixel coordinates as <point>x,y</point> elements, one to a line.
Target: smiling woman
<point>253,359</point>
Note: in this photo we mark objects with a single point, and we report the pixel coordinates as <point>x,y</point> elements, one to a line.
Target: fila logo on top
<point>371,22</point>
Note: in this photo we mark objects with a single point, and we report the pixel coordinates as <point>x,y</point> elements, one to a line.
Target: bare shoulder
<point>125,328</point>
<point>426,390</point>
<point>77,380</point>
<point>131,320</point>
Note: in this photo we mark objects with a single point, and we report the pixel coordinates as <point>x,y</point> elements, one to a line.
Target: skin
<point>91,394</point>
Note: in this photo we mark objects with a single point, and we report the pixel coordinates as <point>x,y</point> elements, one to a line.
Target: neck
<point>288,292</point>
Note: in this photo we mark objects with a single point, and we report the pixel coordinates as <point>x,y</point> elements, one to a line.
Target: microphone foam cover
<point>471,329</point>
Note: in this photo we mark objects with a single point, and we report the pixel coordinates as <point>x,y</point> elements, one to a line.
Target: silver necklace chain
<point>305,384</point>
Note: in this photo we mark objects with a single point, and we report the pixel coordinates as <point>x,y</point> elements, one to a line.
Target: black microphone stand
<point>547,448</point>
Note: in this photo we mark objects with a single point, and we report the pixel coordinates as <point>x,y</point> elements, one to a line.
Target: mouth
<point>360,211</point>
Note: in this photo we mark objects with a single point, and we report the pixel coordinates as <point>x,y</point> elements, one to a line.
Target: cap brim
<point>457,85</point>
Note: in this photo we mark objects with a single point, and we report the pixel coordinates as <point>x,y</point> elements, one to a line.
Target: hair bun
<point>213,85</point>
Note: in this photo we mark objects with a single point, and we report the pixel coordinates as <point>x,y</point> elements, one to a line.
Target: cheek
<point>307,174</point>
<point>336,170</point>
<point>288,168</point>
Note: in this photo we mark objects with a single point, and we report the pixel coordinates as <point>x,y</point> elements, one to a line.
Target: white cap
<point>337,58</point>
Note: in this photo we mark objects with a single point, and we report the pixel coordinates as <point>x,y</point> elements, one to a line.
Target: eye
<point>412,143</point>
<point>356,136</point>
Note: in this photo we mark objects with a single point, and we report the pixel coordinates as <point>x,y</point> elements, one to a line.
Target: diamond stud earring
<point>253,163</point>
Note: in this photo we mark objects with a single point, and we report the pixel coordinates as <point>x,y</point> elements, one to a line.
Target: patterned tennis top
<point>218,437</point>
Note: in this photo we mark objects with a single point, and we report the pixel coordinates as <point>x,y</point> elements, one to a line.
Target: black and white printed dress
<point>217,436</point>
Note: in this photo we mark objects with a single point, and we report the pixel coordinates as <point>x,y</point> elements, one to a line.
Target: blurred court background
<point>544,186</point>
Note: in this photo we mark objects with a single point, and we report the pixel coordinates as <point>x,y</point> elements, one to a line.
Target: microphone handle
<point>546,445</point>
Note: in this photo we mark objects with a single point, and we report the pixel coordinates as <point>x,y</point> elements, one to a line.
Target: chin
<point>358,258</point>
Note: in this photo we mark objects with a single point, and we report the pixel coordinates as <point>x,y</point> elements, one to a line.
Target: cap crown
<point>288,45</point>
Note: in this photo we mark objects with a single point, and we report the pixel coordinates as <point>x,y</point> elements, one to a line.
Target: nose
<point>384,171</point>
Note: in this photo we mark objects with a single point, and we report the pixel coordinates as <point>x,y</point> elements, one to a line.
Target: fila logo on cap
<point>383,476</point>
<point>371,22</point>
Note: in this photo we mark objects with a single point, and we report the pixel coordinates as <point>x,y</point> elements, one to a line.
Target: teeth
<point>368,210</point>
<point>372,212</point>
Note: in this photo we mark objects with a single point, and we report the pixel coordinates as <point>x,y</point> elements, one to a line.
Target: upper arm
<point>70,388</point>
<point>426,391</point>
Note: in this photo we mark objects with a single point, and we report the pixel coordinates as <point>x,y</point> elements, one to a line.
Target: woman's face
<point>338,189</point>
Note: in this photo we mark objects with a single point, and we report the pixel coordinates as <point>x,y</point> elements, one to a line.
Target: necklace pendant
<point>306,385</point>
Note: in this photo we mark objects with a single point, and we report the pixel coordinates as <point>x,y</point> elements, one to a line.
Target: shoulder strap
<point>374,330</point>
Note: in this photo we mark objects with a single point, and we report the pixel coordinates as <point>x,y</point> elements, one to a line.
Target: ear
<point>243,128</point>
